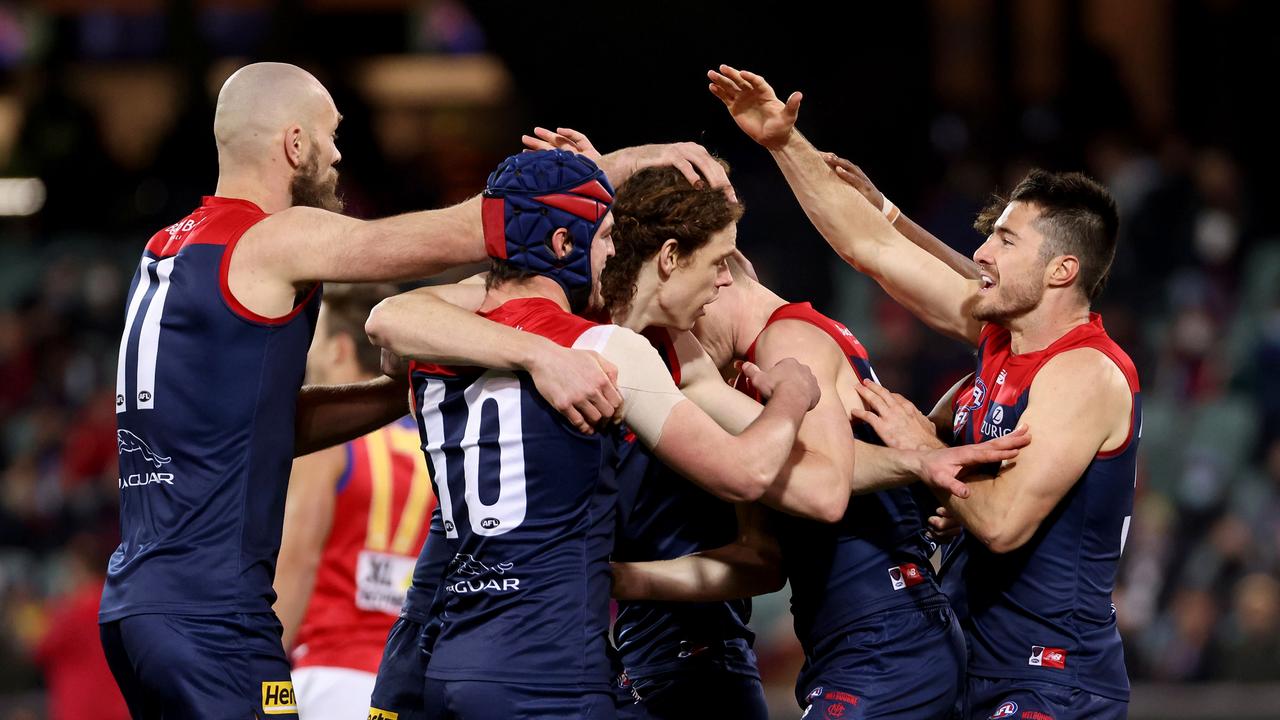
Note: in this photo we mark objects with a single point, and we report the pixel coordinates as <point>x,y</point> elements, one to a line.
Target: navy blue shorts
<point>200,666</point>
<point>397,692</point>
<point>902,663</point>
<point>479,700</point>
<point>704,692</point>
<point>1038,700</point>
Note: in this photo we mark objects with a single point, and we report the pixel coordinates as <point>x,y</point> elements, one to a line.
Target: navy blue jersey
<point>205,399</point>
<point>527,506</point>
<point>875,558</point>
<point>1044,611</point>
<point>666,516</point>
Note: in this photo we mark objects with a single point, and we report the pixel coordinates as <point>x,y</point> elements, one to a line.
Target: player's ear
<point>1063,270</point>
<point>294,139</point>
<point>561,242</point>
<point>668,257</point>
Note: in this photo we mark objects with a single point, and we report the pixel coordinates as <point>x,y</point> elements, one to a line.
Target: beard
<point>1020,299</point>
<point>310,188</point>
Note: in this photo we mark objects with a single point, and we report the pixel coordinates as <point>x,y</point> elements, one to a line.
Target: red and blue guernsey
<point>205,399</point>
<point>1044,611</point>
<point>875,558</point>
<point>666,516</point>
<point>527,505</point>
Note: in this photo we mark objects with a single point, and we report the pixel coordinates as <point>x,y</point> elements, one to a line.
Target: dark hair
<point>501,271</point>
<point>1078,217</point>
<point>348,307</point>
<point>655,205</point>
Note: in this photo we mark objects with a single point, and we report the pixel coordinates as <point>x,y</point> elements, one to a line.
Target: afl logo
<point>144,396</point>
<point>979,394</point>
<point>490,523</point>
<point>1008,708</point>
<point>119,400</point>
<point>448,526</point>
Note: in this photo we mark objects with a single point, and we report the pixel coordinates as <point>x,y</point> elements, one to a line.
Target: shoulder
<point>1086,374</point>
<point>799,339</point>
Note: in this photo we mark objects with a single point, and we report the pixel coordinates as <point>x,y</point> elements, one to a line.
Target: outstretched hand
<point>755,106</point>
<point>895,419</point>
<point>942,467</point>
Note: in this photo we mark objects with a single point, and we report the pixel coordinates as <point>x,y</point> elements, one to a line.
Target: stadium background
<point>105,137</point>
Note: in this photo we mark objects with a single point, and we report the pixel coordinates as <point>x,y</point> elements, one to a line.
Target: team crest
<point>1007,709</point>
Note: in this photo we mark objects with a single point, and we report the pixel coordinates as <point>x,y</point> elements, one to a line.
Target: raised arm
<point>427,325</point>
<point>925,240</point>
<point>750,566</point>
<point>691,159</point>
<point>859,232</point>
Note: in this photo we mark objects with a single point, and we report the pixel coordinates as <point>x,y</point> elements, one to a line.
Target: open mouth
<point>987,283</point>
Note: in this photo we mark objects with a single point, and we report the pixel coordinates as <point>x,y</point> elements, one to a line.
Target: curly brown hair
<point>655,205</point>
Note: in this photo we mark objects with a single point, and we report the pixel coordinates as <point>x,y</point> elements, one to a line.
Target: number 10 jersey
<point>527,504</point>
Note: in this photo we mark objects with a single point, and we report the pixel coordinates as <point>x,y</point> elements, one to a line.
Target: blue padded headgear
<point>532,194</point>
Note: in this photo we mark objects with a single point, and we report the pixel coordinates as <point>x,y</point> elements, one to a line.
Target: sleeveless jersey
<point>205,398</point>
<point>667,516</point>
<point>380,520</point>
<point>1044,611</point>
<point>527,506</point>
<point>875,558</point>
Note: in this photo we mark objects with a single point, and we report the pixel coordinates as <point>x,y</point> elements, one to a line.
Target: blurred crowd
<point>1194,297</point>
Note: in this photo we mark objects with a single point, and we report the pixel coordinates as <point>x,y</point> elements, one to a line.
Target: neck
<point>761,303</point>
<point>534,287</point>
<point>1045,325</point>
<point>257,185</point>
<point>735,320</point>
<point>643,311</point>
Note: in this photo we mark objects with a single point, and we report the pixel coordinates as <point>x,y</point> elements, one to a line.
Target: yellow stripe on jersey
<point>379,528</point>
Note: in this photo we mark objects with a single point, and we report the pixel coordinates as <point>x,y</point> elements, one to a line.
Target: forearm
<point>880,468</point>
<point>293,584</point>
<point>727,573</point>
<point>843,216</point>
<point>766,444</point>
<point>419,244</point>
<point>809,486</point>
<point>331,414</point>
<point>987,513</point>
<point>422,327</point>
<point>931,244</point>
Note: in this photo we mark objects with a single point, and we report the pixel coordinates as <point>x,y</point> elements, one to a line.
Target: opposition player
<point>528,503</point>
<point>1033,574</point>
<point>219,316</point>
<point>355,521</point>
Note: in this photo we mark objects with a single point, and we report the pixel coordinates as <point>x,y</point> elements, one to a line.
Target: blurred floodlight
<point>21,196</point>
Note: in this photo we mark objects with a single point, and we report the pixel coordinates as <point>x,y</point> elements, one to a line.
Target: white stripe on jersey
<point>149,339</point>
<point>144,282</point>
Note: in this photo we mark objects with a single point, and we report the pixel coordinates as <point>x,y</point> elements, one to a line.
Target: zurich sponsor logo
<point>997,414</point>
<point>129,442</point>
<point>1007,708</point>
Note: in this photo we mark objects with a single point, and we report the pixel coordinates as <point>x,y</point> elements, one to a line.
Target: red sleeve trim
<point>230,300</point>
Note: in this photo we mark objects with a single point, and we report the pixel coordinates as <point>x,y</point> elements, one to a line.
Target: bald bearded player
<point>220,314</point>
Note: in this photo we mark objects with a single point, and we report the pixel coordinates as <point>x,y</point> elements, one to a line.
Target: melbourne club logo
<point>132,443</point>
<point>1007,709</point>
